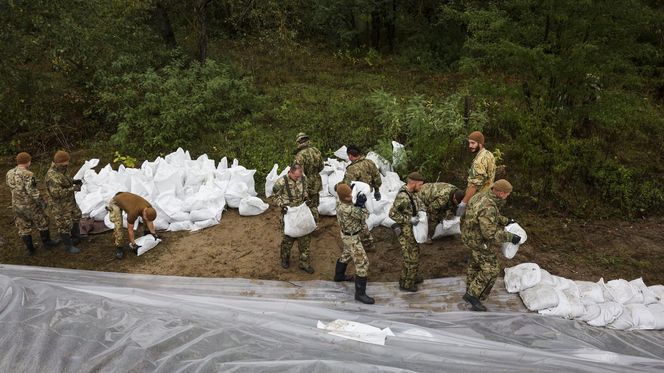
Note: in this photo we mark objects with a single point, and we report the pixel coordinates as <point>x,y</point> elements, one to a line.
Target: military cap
<point>415,176</point>
<point>476,136</point>
<point>23,158</point>
<point>502,185</point>
<point>61,156</point>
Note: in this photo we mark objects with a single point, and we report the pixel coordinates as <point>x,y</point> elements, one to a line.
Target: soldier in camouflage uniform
<point>404,212</point>
<point>27,205</point>
<point>441,200</point>
<point>482,171</point>
<point>312,164</point>
<point>481,228</point>
<point>291,191</point>
<point>351,218</point>
<point>364,170</point>
<point>61,188</point>
<point>134,206</point>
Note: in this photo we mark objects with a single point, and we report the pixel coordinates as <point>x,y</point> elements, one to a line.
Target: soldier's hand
<point>134,248</point>
<point>361,201</point>
<point>397,229</point>
<point>415,220</point>
<point>516,239</point>
<point>155,236</point>
<point>377,195</point>
<point>511,221</point>
<point>461,209</point>
<point>284,210</point>
<point>76,187</point>
<point>77,182</point>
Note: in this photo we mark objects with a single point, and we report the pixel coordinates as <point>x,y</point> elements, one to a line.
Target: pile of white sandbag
<point>187,194</point>
<point>616,304</point>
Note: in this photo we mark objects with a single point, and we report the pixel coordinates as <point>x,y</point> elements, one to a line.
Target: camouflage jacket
<point>60,187</point>
<point>288,192</point>
<point>23,186</point>
<point>483,224</point>
<point>437,196</point>
<point>351,218</point>
<point>482,171</point>
<point>310,159</point>
<point>363,170</point>
<point>405,206</point>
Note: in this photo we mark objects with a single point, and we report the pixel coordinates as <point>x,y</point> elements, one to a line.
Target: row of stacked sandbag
<point>617,304</point>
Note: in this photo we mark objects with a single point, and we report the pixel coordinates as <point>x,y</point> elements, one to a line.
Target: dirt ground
<point>247,247</point>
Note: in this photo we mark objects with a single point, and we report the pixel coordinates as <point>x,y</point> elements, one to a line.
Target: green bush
<point>177,106</point>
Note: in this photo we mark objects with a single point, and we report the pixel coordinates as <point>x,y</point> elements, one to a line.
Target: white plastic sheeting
<point>187,194</point>
<point>616,304</point>
<point>79,321</point>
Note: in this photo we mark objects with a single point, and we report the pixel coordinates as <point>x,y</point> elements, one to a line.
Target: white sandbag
<point>180,226</point>
<point>546,279</point>
<point>204,214</point>
<point>178,157</point>
<point>647,295</point>
<point>325,185</point>
<point>449,227</point>
<point>169,203</point>
<point>569,306</point>
<point>382,164</point>
<point>299,221</point>
<point>421,229</point>
<point>522,277</point>
<point>591,312</point>
<point>391,183</point>
<point>618,291</point>
<point>327,206</point>
<point>252,206</point>
<point>657,310</point>
<point>99,213</point>
<point>89,164</point>
<point>91,202</point>
<point>591,291</point>
<point>342,153</point>
<point>539,297</point>
<point>196,226</point>
<point>658,290</point>
<point>609,311</point>
<point>398,154</point>
<point>374,220</point>
<point>223,164</point>
<point>360,187</point>
<point>146,243</point>
<point>388,222</point>
<point>335,178</point>
<point>634,316</point>
<point>168,179</point>
<point>240,175</point>
<point>235,192</point>
<point>161,223</point>
<point>509,249</point>
<point>272,178</point>
<point>143,188</point>
<point>381,207</point>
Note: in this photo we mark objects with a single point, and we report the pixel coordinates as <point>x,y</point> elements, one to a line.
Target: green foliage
<point>176,106</point>
<point>126,160</point>
<point>434,130</point>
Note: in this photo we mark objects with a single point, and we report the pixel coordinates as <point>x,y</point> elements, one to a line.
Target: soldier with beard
<point>482,171</point>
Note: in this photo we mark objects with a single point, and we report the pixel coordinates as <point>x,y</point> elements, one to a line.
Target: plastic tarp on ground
<point>70,320</point>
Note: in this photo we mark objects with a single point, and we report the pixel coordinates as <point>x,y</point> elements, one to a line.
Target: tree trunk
<point>375,28</point>
<point>164,24</point>
<point>200,23</point>
<point>392,25</point>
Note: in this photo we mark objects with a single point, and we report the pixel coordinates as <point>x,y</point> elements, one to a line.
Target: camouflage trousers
<point>365,235</point>
<point>28,217</point>
<point>314,185</point>
<point>410,251</point>
<point>65,214</point>
<point>302,245</point>
<point>115,214</point>
<point>353,249</point>
<point>483,269</point>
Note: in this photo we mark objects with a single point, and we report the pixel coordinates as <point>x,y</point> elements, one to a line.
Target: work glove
<point>511,221</point>
<point>76,187</point>
<point>377,195</point>
<point>415,220</point>
<point>361,201</point>
<point>284,210</point>
<point>77,182</point>
<point>516,239</point>
<point>134,248</point>
<point>155,236</point>
<point>397,229</point>
<point>461,209</point>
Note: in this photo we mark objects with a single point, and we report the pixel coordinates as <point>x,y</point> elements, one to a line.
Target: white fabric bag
<point>449,227</point>
<point>342,153</point>
<point>609,311</point>
<point>540,297</point>
<point>509,249</point>
<point>299,221</point>
<point>618,291</point>
<point>591,292</point>
<point>146,243</point>
<point>522,277</point>
<point>421,229</point>
<point>88,165</point>
<point>272,178</point>
<point>252,206</point>
<point>327,206</point>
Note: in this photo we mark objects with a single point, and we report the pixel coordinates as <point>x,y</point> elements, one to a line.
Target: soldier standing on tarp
<point>27,205</point>
<point>481,228</point>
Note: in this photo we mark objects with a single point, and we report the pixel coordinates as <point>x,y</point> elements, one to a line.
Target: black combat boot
<point>307,268</point>
<point>419,279</point>
<point>361,290</point>
<point>340,272</point>
<point>76,233</point>
<point>285,262</point>
<point>474,302</point>
<point>119,252</point>
<point>27,240</point>
<point>69,244</point>
<point>46,239</point>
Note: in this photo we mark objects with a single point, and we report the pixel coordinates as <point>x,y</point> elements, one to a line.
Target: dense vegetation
<point>569,93</point>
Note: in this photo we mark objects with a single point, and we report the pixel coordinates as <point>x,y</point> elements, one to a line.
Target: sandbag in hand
<point>511,221</point>
<point>461,209</point>
<point>134,248</point>
<point>396,229</point>
<point>361,201</point>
